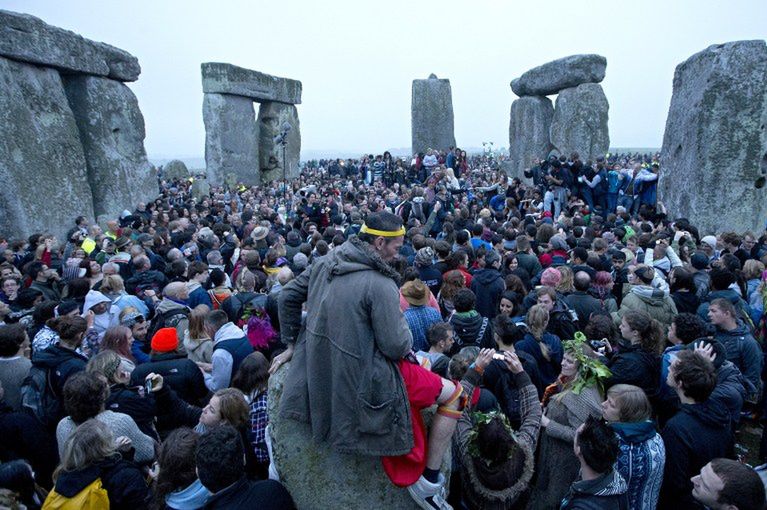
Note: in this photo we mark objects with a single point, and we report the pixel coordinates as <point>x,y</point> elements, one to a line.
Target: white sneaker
<point>429,496</point>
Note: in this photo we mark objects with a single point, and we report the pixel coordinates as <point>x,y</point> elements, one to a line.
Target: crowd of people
<point>571,343</point>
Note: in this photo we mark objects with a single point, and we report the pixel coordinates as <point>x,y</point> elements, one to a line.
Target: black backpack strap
<point>481,333</point>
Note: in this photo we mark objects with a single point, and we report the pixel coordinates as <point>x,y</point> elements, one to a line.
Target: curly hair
<point>689,327</point>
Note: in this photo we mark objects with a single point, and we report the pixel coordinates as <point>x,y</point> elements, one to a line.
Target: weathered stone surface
<point>563,73</point>
<point>432,115</point>
<point>29,39</point>
<point>220,78</point>
<point>175,169</point>
<point>320,478</point>
<point>529,132</point>
<point>580,122</point>
<point>231,139</point>
<point>42,165</point>
<point>200,189</point>
<point>714,156</point>
<point>112,135</point>
<point>271,117</point>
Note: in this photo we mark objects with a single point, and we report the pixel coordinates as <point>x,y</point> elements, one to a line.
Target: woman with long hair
<point>90,454</point>
<point>177,486</point>
<point>197,342</point>
<point>119,339</point>
<point>566,284</point>
<point>544,347</point>
<point>642,452</point>
<point>567,403</point>
<point>452,282</point>
<point>252,378</point>
<point>638,361</point>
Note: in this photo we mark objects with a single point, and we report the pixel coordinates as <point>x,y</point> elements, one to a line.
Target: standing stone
<point>432,115</point>
<point>42,165</point>
<point>580,122</point>
<point>563,73</point>
<point>318,477</point>
<point>219,78</point>
<point>714,156</point>
<point>175,169</point>
<point>529,132</point>
<point>112,135</point>
<point>271,118</point>
<point>30,39</point>
<point>200,189</point>
<point>231,139</point>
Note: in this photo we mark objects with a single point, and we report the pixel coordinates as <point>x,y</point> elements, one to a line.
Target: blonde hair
<point>105,363</point>
<point>565,285</point>
<point>537,319</point>
<point>90,443</point>
<point>112,284</point>
<point>752,269</point>
<point>633,404</point>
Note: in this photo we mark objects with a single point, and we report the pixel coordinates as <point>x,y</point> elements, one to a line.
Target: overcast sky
<point>357,59</point>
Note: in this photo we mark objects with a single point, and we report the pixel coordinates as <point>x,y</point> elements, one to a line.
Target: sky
<point>357,59</point>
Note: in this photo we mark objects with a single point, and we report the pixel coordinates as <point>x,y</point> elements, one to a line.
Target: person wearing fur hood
<point>496,461</point>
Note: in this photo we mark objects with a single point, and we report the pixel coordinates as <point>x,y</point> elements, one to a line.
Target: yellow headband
<point>383,233</point>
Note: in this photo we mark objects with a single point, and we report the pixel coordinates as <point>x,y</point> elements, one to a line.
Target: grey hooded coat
<point>343,379</point>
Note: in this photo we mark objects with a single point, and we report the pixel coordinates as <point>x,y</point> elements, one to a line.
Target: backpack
<point>39,399</point>
<point>92,497</point>
<point>167,319</point>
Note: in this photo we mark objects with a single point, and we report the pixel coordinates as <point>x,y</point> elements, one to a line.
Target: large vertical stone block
<point>271,119</point>
<point>231,139</point>
<point>432,123</point>
<point>112,133</point>
<point>42,165</point>
<point>714,156</point>
<point>529,132</point>
<point>318,477</point>
<point>580,122</point>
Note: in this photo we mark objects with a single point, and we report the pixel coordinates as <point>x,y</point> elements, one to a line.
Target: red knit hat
<point>165,340</point>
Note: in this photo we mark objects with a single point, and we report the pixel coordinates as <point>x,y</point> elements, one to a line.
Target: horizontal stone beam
<point>29,39</point>
<point>220,78</point>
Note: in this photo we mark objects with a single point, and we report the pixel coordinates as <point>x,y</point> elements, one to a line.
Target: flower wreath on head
<point>591,371</point>
<point>480,418</point>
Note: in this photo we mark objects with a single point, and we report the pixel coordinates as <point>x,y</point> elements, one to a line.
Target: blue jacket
<point>640,462</point>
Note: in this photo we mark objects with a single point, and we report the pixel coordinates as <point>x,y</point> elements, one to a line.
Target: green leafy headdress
<point>591,371</point>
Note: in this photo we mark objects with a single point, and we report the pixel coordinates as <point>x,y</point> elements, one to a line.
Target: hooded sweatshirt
<point>104,320</point>
<point>640,462</point>
<point>694,436</point>
<point>471,329</point>
<point>656,302</point>
<point>488,286</point>
<point>222,360</point>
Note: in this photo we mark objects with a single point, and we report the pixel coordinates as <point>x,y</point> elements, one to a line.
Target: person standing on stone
<point>353,371</point>
<point>556,193</point>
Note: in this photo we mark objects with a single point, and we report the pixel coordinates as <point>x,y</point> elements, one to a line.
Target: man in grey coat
<point>350,376</point>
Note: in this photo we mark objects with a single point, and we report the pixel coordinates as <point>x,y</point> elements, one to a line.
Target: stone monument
<point>714,156</point>
<point>431,115</point>
<point>73,134</point>
<point>577,122</point>
<point>236,143</point>
<point>318,477</point>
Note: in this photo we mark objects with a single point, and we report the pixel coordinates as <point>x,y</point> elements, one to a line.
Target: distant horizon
<point>198,161</point>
